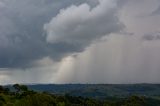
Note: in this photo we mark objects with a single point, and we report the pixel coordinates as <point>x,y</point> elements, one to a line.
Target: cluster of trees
<point>22,96</point>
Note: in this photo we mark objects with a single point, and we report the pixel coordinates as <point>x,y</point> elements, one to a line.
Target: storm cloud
<point>26,36</point>
<point>79,41</point>
<point>81,24</point>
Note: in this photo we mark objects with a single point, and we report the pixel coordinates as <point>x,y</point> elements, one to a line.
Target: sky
<point>79,41</point>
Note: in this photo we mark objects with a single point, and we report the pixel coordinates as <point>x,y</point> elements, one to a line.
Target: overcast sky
<point>79,41</point>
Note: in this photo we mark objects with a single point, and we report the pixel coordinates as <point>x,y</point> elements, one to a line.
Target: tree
<point>1,89</point>
<point>17,87</point>
<point>24,88</point>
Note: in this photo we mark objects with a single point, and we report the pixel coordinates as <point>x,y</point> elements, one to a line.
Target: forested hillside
<point>20,95</point>
<point>99,91</point>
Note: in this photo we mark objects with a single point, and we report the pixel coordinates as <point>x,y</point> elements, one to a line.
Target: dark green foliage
<point>2,100</point>
<point>135,101</point>
<point>22,96</point>
<point>36,100</point>
<point>17,87</point>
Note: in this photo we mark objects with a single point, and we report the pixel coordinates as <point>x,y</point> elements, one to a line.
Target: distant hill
<point>114,95</point>
<point>99,90</point>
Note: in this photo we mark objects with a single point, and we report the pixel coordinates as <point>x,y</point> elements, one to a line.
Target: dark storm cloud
<point>23,39</point>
